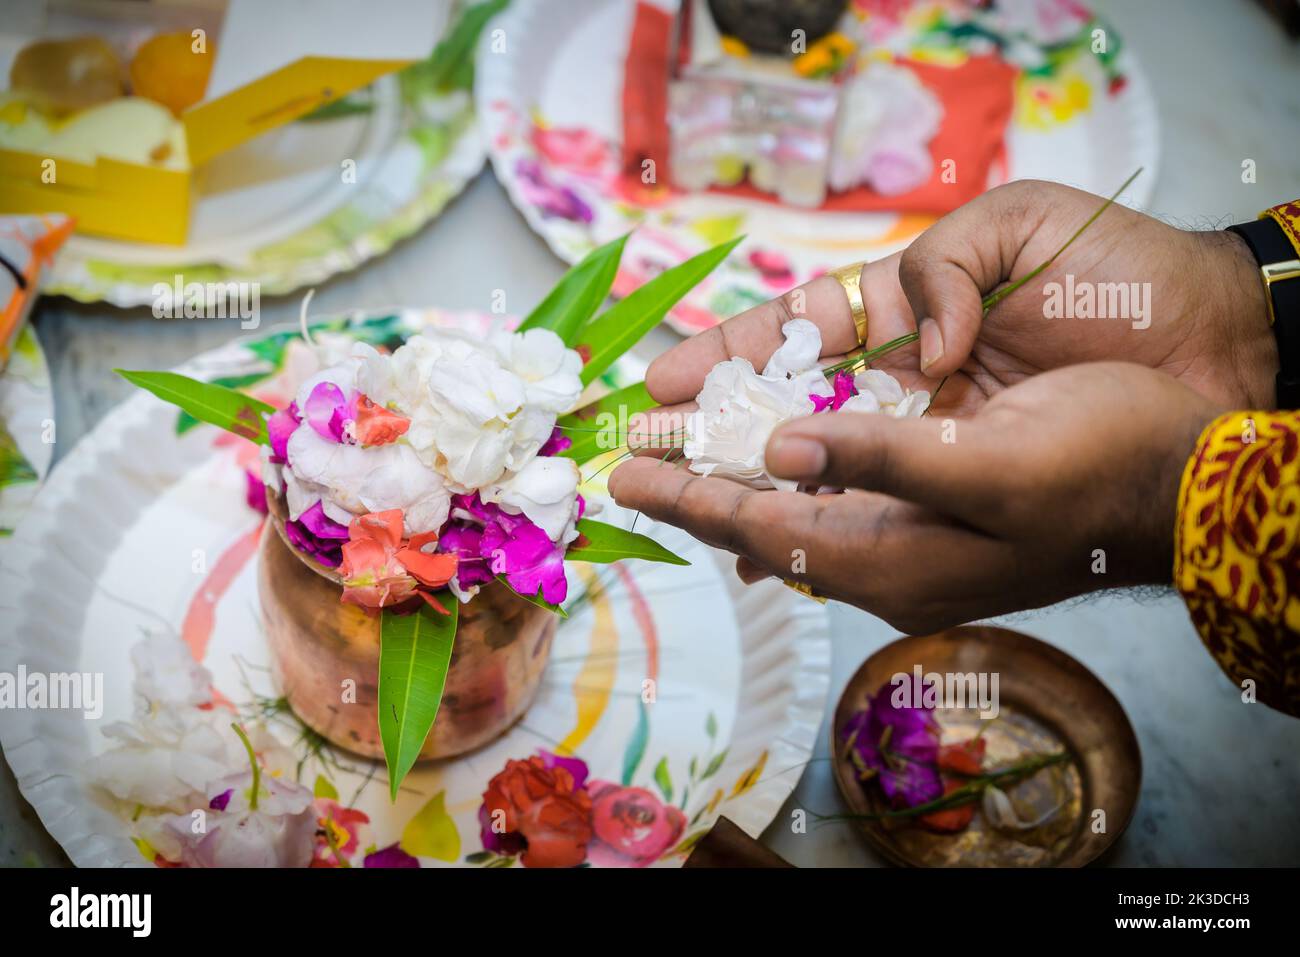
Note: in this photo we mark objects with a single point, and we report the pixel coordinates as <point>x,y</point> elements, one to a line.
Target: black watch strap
<point>1279,266</point>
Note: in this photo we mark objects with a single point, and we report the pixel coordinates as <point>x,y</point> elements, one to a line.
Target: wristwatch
<point>1274,240</point>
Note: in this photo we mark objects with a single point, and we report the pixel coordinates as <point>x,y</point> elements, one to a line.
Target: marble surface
<point>1220,778</point>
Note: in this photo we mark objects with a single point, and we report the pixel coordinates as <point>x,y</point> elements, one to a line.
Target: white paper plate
<point>564,64</point>
<point>106,555</point>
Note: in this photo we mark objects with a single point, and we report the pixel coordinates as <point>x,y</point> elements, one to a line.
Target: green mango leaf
<point>664,780</point>
<point>414,655</point>
<point>578,295</point>
<point>14,467</point>
<point>324,789</point>
<point>711,726</point>
<point>185,421</point>
<point>432,832</point>
<point>602,543</point>
<point>534,599</point>
<point>620,327</point>
<point>216,404</point>
<point>451,65</point>
<point>602,425</point>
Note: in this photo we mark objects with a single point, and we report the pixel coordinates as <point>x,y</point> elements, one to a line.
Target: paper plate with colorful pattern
<point>305,201</point>
<point>552,112</point>
<point>144,530</point>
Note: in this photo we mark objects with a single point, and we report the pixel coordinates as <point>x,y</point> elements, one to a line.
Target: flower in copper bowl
<point>898,746</point>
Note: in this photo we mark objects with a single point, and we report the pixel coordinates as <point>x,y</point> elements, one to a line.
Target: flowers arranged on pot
<point>896,751</point>
<point>450,464</point>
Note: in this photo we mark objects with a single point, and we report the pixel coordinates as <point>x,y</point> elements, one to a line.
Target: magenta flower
<point>528,558</point>
<point>901,744</point>
<point>391,856</point>
<point>844,390</point>
<point>255,493</point>
<point>279,427</point>
<point>317,535</point>
<point>466,541</point>
<point>329,412</point>
<point>576,767</point>
<point>504,544</point>
<point>556,444</point>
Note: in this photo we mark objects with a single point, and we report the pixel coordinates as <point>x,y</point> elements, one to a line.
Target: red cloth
<point>977,99</point>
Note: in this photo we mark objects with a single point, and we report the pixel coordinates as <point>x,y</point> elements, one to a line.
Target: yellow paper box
<point>275,60</point>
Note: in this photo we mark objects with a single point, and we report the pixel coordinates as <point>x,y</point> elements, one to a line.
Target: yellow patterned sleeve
<point>1237,550</point>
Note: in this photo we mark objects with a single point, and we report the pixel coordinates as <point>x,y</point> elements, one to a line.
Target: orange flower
<point>376,425</point>
<point>432,570</point>
<point>372,574</point>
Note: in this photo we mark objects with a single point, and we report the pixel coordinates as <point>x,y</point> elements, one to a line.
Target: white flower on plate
<point>279,832</point>
<point>546,492</point>
<point>166,674</point>
<point>170,751</point>
<point>165,758</point>
<point>881,392</point>
<point>739,409</point>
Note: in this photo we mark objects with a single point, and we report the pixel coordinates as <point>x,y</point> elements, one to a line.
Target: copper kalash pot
<point>325,654</point>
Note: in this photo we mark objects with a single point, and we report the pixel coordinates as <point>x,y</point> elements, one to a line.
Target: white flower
<point>279,832</point>
<point>359,480</point>
<point>799,353</point>
<point>482,407</point>
<point>165,758</point>
<point>167,675</point>
<point>880,392</point>
<point>551,372</point>
<point>738,408</point>
<point>546,491</point>
<point>168,753</point>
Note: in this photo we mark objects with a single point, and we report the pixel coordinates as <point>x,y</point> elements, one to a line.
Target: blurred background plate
<point>285,210</point>
<point>1073,122</point>
<point>1047,701</point>
<point>27,433</point>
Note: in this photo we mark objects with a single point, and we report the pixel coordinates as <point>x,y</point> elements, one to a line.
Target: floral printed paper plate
<point>342,188</point>
<point>552,113</point>
<point>684,694</point>
<point>26,428</point>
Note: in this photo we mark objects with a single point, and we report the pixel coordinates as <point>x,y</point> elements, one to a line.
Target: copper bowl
<point>325,655</point>
<point>1049,702</point>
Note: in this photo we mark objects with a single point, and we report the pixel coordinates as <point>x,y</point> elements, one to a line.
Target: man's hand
<point>1205,317</point>
<point>947,520</point>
